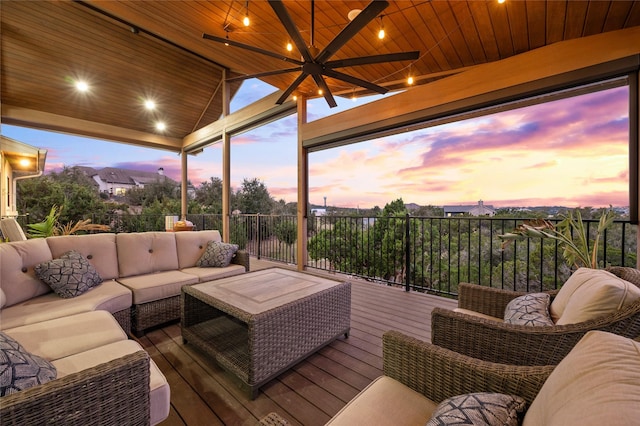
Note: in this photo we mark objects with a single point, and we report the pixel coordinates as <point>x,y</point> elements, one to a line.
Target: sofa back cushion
<point>597,383</point>
<point>98,249</point>
<point>590,293</point>
<point>191,245</point>
<point>146,253</point>
<point>17,278</point>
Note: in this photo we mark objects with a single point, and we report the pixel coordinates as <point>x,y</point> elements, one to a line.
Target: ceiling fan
<point>315,62</point>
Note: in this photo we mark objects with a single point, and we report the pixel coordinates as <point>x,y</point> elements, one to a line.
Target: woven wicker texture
<point>438,373</point>
<point>517,344</point>
<point>113,393</point>
<point>257,347</point>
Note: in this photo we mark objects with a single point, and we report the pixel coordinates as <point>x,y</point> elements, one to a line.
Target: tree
<point>253,197</point>
<point>70,189</point>
<point>209,196</point>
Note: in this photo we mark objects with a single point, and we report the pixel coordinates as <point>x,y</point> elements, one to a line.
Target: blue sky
<point>572,152</point>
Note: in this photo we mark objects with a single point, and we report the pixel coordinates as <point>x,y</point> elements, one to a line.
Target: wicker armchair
<point>113,393</point>
<point>519,344</point>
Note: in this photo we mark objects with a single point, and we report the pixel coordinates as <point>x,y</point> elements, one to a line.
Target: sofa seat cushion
<point>590,293</point>
<point>108,296</point>
<point>208,274</point>
<point>98,249</point>
<point>191,245</point>
<point>590,386</point>
<point>160,392</point>
<point>65,336</point>
<point>17,277</point>
<point>385,402</point>
<point>161,285</point>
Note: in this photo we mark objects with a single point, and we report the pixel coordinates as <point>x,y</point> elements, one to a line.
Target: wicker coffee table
<point>258,324</point>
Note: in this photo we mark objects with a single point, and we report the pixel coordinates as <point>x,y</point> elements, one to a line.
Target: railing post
<point>407,254</point>
<point>258,234</point>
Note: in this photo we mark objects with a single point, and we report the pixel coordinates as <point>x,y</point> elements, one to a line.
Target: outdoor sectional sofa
<point>100,371</point>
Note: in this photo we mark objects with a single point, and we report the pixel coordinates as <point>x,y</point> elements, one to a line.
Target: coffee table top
<point>260,291</point>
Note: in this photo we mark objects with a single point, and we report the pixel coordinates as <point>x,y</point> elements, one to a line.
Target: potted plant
<point>571,234</point>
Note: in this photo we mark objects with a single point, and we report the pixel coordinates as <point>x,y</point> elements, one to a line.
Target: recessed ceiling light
<point>161,126</point>
<point>24,162</point>
<point>149,104</point>
<point>82,86</point>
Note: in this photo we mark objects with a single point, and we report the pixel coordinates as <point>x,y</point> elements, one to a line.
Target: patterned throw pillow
<point>217,254</point>
<point>530,309</point>
<point>484,408</point>
<point>19,369</point>
<point>68,276</point>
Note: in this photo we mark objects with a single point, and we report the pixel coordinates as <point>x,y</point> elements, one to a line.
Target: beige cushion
<point>151,287</point>
<point>191,245</point>
<point>385,402</point>
<point>160,392</point>
<point>208,274</point>
<point>3,298</point>
<point>146,252</point>
<point>62,337</point>
<point>99,249</point>
<point>108,296</point>
<point>17,278</point>
<point>478,314</point>
<point>593,293</point>
<point>597,383</point>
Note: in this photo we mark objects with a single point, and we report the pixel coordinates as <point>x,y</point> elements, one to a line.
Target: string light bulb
<point>353,95</point>
<point>501,1</point>
<point>381,31</point>
<point>226,43</point>
<point>289,46</point>
<point>320,92</point>
<point>295,97</point>
<point>246,20</point>
<point>410,78</point>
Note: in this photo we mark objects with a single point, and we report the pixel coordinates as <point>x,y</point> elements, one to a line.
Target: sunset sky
<point>572,152</point>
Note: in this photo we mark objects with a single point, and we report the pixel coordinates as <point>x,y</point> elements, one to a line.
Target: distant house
<point>115,181</point>
<point>473,210</point>
<point>17,161</point>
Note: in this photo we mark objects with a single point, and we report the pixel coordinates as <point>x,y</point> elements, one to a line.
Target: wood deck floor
<point>311,392</point>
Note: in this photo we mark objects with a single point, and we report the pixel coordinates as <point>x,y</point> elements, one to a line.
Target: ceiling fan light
<point>381,31</point>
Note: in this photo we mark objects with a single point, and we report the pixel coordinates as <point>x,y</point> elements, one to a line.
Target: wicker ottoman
<point>257,325</point>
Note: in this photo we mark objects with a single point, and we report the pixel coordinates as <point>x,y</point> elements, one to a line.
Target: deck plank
<point>309,393</point>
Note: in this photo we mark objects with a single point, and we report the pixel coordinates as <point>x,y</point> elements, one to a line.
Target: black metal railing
<point>430,254</point>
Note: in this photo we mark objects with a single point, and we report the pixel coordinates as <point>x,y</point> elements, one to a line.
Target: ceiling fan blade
<point>292,87</point>
<point>359,22</point>
<point>355,80</point>
<point>325,90</point>
<point>292,30</point>
<point>374,59</point>
<point>262,74</point>
<point>251,48</point>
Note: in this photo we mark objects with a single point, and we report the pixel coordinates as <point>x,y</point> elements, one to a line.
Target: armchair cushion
<point>590,293</point>
<point>597,383</point>
<point>69,276</point>
<point>20,369</point>
<point>486,408</point>
<point>530,309</point>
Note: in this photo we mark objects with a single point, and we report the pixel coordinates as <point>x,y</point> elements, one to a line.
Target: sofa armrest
<point>439,373</point>
<point>115,392</point>
<point>522,344</point>
<point>241,258</point>
<point>488,300</point>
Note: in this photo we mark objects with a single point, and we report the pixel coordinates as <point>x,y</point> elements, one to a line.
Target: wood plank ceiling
<point>130,50</point>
